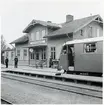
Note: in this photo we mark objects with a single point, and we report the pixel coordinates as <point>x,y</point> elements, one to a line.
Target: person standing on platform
<point>6,62</point>
<point>50,62</point>
<point>16,61</point>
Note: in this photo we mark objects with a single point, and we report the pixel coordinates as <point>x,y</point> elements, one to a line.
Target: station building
<point>44,39</point>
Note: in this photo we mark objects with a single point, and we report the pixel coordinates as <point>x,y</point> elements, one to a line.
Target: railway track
<point>64,86</point>
<point>3,101</point>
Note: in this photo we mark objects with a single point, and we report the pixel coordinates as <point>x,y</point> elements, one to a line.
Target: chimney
<point>49,22</point>
<point>69,18</point>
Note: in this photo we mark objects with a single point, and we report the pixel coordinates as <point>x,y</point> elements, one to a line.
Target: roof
<point>44,23</point>
<point>9,49</point>
<point>21,39</point>
<point>87,40</point>
<point>73,26</point>
<point>37,45</point>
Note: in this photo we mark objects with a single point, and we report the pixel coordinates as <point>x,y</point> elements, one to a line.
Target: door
<point>71,56</point>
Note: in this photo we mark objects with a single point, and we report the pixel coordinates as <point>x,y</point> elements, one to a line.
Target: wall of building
<point>94,26</point>
<point>10,58</point>
<point>34,30</point>
<point>33,62</point>
<point>56,42</point>
<point>92,62</point>
<point>22,60</point>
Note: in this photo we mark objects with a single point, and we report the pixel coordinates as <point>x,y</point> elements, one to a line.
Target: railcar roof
<point>87,40</point>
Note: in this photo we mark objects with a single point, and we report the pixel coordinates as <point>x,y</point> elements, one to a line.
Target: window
<point>6,54</point>
<point>90,32</point>
<point>32,55</point>
<point>18,52</point>
<point>11,55</point>
<point>37,35</point>
<point>53,52</point>
<point>81,32</point>
<point>43,33</point>
<point>90,47</point>
<point>25,52</point>
<point>98,32</point>
<point>43,56</point>
<point>32,36</point>
<point>37,55</point>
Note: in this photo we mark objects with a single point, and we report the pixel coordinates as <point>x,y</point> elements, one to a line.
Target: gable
<point>96,30</point>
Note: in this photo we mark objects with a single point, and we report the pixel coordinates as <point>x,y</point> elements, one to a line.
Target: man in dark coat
<point>50,62</point>
<point>16,61</point>
<point>6,62</point>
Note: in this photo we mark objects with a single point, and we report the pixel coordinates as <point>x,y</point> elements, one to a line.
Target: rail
<point>55,85</point>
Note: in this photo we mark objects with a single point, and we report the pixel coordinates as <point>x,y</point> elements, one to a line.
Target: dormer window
<point>89,32</point>
<point>32,36</point>
<point>37,35</point>
<point>98,32</point>
<point>43,33</point>
<point>81,32</point>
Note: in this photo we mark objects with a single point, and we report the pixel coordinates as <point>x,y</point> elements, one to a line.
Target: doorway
<point>70,52</point>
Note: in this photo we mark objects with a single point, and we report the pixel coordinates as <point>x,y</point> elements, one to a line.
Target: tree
<point>3,43</point>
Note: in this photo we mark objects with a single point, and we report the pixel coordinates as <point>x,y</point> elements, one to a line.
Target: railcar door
<point>71,55</point>
<point>67,57</point>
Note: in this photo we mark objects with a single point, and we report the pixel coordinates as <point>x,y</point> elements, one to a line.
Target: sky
<point>17,14</point>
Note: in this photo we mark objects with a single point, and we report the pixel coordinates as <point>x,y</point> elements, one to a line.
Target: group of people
<point>15,62</point>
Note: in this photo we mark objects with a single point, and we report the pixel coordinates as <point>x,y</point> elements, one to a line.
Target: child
<point>60,71</point>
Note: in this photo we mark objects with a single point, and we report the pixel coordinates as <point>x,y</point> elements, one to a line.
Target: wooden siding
<point>22,60</point>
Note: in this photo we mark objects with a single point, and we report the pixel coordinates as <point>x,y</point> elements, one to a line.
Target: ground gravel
<point>25,93</point>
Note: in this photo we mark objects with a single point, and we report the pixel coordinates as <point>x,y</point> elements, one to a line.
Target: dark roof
<point>44,23</point>
<point>21,39</point>
<point>73,26</point>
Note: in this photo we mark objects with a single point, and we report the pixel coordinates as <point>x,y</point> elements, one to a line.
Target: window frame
<point>12,54</point>
<point>7,53</point>
<point>90,32</point>
<point>37,53</point>
<point>32,36</point>
<point>43,54</point>
<point>25,52</point>
<point>37,35</point>
<point>32,56</point>
<point>53,52</point>
<point>18,52</point>
<point>44,33</point>
<point>98,32</point>
<point>85,47</point>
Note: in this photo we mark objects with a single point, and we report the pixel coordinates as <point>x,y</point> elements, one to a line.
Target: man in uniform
<point>6,62</point>
<point>16,61</point>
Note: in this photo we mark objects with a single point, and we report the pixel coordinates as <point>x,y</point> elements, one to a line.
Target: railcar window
<point>90,47</point>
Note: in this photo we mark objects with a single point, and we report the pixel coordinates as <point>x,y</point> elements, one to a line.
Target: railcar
<point>83,56</point>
